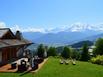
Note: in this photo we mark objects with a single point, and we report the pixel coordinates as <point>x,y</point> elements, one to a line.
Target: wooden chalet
<point>11,46</point>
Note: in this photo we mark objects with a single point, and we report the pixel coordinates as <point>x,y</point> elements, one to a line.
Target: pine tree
<point>52,51</point>
<point>66,53</point>
<point>99,47</point>
<point>40,51</point>
<point>85,55</point>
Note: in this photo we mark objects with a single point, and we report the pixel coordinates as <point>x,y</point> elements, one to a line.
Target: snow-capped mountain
<point>66,35</point>
<point>78,27</point>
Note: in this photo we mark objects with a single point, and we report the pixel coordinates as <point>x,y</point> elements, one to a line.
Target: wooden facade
<point>10,45</point>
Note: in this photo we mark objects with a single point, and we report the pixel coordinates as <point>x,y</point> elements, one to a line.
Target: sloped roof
<point>13,42</point>
<point>2,44</point>
<point>3,31</point>
<point>6,42</point>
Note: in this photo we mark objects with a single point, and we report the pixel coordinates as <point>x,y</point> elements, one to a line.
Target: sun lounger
<point>66,62</point>
<point>73,62</point>
<point>61,61</point>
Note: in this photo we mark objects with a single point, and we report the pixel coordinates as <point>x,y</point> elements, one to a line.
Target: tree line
<point>68,52</point>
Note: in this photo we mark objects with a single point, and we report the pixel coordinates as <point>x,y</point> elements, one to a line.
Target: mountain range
<point>66,35</point>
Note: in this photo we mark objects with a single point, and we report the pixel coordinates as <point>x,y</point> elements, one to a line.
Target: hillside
<point>81,43</point>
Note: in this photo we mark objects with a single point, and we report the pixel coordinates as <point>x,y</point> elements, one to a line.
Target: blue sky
<point>50,13</point>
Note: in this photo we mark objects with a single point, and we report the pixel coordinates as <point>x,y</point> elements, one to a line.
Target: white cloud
<point>2,25</point>
<point>30,29</point>
<point>73,28</point>
<point>15,28</point>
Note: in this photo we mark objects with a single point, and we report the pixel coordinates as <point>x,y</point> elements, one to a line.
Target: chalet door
<point>0,56</point>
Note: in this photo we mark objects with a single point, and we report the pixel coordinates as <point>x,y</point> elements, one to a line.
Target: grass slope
<point>82,69</point>
<point>53,69</point>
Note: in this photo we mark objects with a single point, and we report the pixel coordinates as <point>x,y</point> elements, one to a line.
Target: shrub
<point>97,60</point>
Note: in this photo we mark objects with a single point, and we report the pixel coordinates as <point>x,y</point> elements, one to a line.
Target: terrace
<point>8,67</point>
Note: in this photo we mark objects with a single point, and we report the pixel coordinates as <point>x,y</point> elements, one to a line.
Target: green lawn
<point>53,69</point>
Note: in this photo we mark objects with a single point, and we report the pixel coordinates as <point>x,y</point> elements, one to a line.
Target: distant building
<point>11,45</point>
<point>90,50</point>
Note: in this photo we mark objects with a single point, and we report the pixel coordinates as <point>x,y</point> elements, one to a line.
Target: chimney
<point>19,35</point>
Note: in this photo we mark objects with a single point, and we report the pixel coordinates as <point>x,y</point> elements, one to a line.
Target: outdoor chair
<point>40,60</point>
<point>23,66</point>
<point>13,65</point>
<point>35,66</point>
